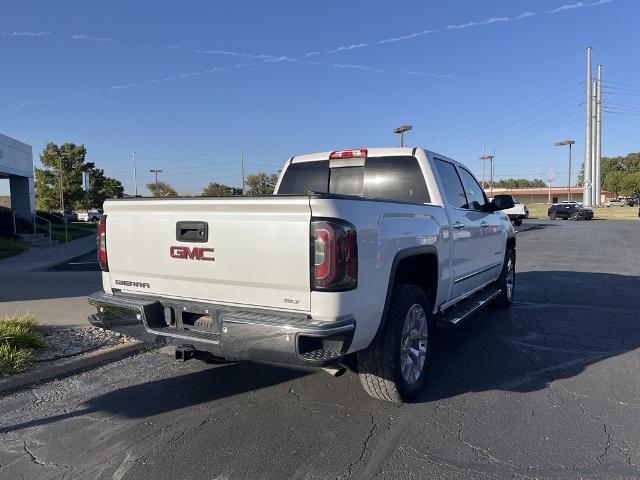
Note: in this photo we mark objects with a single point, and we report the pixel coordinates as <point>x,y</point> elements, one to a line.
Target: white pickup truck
<point>352,262</point>
<point>517,213</point>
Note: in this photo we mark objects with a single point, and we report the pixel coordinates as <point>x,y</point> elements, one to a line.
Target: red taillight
<point>103,260</point>
<point>358,152</point>
<point>334,255</point>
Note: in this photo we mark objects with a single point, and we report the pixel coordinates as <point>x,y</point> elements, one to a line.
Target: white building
<point>16,164</point>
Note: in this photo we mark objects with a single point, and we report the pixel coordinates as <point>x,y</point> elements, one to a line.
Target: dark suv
<point>571,211</point>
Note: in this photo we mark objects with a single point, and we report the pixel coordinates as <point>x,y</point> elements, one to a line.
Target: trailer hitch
<point>185,352</point>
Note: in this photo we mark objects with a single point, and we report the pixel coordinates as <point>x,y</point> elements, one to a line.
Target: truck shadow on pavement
<point>174,393</point>
<point>562,323</point>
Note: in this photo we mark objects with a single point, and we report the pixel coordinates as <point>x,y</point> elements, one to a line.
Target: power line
<point>535,104</point>
<point>492,140</point>
<point>622,113</point>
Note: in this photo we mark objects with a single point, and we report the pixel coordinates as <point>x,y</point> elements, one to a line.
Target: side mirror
<point>503,202</point>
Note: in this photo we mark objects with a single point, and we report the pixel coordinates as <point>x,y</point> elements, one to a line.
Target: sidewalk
<point>39,259</point>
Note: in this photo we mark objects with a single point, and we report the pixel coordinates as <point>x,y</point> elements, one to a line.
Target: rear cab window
<point>397,178</point>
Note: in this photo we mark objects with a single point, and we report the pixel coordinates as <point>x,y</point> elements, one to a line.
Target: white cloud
<point>525,15</point>
<point>82,36</point>
<point>26,34</point>
<point>462,26</point>
<point>568,6</point>
<point>350,47</point>
<point>405,37</point>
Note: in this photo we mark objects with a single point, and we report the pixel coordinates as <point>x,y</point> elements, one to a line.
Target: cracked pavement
<point>547,389</point>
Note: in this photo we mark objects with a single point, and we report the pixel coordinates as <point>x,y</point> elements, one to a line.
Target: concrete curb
<point>57,262</point>
<point>69,366</point>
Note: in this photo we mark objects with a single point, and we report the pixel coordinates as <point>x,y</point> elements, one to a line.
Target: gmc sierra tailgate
<point>237,250</point>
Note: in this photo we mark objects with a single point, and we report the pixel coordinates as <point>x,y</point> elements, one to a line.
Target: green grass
<point>539,210</point>
<point>74,229</point>
<point>9,248</point>
<point>18,339</point>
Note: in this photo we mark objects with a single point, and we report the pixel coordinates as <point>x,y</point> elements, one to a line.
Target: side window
<point>453,190</point>
<point>475,196</point>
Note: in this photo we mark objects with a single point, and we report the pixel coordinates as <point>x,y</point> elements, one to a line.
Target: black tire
<point>379,366</point>
<point>517,222</point>
<point>505,299</point>
<point>552,216</point>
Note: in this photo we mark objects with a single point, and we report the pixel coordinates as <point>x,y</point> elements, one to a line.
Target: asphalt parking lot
<point>548,389</point>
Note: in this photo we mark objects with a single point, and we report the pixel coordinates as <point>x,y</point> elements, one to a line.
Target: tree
<point>102,188</point>
<point>261,183</point>
<point>621,175</point>
<point>220,190</point>
<point>519,183</point>
<point>161,189</point>
<point>71,159</point>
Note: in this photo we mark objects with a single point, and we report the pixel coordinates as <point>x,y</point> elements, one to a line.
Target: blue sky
<point>189,85</point>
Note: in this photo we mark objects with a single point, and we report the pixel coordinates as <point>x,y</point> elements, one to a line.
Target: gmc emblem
<point>195,253</point>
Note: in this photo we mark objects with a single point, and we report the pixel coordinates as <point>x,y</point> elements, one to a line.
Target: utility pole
<point>156,171</point>
<point>490,158</point>
<point>598,158</point>
<point>587,181</point>
<point>491,165</point>
<point>593,143</point>
<point>135,175</point>
<point>242,170</point>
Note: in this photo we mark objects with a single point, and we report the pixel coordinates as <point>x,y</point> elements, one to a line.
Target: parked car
<point>91,215</point>
<point>618,202</point>
<point>569,211</point>
<point>352,263</point>
<point>70,216</point>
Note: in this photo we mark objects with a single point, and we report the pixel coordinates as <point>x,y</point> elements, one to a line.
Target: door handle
<point>484,224</point>
<point>458,226</point>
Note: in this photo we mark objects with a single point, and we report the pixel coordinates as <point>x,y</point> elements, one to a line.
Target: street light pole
<point>570,143</point>
<point>61,184</point>
<point>401,130</point>
<point>135,175</point>
<point>156,171</point>
<point>242,170</point>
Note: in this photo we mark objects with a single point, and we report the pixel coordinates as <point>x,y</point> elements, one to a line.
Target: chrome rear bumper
<point>234,334</point>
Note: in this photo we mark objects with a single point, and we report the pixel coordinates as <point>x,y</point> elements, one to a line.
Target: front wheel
<point>394,367</point>
<point>507,280</point>
<point>517,222</point>
<point>552,216</point>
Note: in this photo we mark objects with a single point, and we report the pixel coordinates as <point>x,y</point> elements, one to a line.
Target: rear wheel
<point>552,216</point>
<point>507,280</point>
<point>517,222</point>
<point>394,367</point>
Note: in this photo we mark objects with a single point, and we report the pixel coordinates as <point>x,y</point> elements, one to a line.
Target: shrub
<point>18,339</point>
